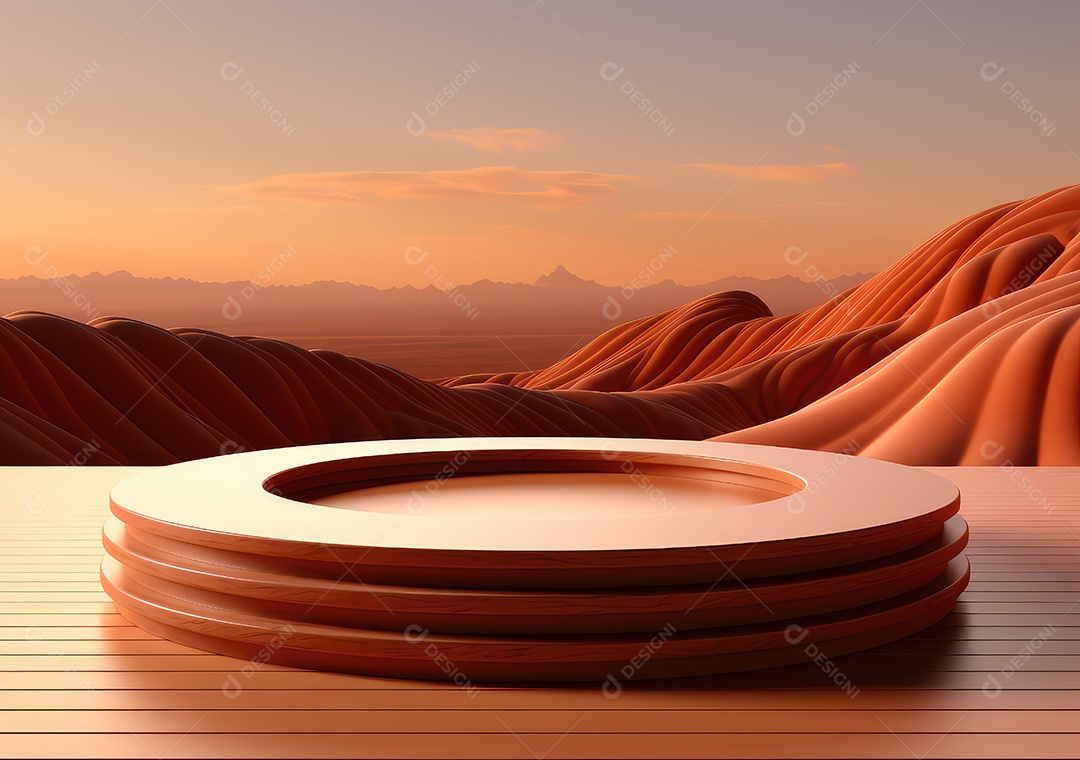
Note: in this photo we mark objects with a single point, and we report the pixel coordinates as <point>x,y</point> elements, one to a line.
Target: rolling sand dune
<point>131,393</point>
<point>974,390</point>
<point>966,351</point>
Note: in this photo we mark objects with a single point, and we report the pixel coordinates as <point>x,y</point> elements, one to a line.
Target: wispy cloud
<point>797,204</point>
<point>500,140</point>
<point>693,214</point>
<point>781,173</point>
<point>215,210</point>
<point>543,189</point>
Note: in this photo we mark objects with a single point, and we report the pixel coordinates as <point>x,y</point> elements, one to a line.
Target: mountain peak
<point>560,275</point>
<point>119,274</point>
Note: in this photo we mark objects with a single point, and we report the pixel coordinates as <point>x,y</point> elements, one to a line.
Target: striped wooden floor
<point>1000,677</point>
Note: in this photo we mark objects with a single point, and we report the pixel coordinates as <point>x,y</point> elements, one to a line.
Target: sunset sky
<point>200,139</point>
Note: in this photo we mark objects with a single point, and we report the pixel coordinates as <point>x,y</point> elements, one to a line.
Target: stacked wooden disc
<point>531,560</point>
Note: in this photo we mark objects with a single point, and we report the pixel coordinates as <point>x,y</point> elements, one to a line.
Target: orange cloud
<point>798,204</point>
<point>489,138</point>
<point>793,174</point>
<point>489,183</point>
<point>691,214</point>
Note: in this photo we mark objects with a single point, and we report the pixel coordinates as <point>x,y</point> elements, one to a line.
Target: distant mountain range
<point>435,331</point>
<point>558,302</point>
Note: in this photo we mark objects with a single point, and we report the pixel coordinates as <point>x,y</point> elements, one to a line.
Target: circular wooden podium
<point>534,559</point>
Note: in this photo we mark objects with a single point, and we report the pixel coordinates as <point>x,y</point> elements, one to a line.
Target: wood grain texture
<point>926,696</point>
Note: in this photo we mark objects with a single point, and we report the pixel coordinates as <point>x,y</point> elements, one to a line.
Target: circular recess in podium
<point>469,513</point>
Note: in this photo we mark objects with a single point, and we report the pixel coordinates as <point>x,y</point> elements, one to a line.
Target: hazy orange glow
<point>190,142</point>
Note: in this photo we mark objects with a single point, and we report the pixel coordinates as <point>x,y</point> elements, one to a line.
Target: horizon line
<point>650,283</point>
